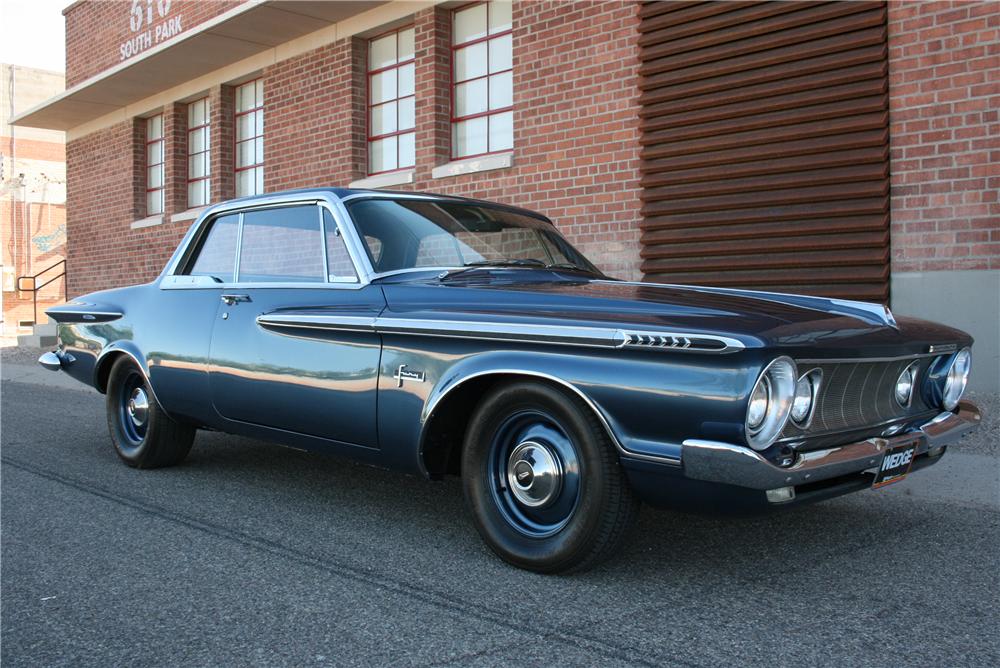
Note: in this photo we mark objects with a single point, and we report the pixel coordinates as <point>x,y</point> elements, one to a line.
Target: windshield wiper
<point>504,262</point>
<point>568,265</point>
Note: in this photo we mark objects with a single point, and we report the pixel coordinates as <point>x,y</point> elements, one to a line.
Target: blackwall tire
<point>142,434</point>
<point>543,481</point>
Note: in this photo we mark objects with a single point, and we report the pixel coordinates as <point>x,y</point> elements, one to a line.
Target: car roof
<point>343,193</point>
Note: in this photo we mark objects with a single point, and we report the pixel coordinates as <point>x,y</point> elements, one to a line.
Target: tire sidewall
<point>131,453</point>
<point>552,552</point>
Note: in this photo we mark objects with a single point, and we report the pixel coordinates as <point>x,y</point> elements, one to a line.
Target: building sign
<point>150,24</point>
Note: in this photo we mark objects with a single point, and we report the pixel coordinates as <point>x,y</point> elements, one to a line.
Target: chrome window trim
<point>355,249</point>
<point>323,244</point>
<point>352,239</point>
<point>239,249</point>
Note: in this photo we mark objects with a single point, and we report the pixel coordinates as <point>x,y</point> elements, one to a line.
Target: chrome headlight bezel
<point>811,381</point>
<point>778,380</point>
<point>907,379</point>
<point>956,379</point>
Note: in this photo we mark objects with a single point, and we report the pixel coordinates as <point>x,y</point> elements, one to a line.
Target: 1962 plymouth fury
<point>440,335</point>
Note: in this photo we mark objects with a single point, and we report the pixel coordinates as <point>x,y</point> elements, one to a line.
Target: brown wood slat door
<point>765,146</point>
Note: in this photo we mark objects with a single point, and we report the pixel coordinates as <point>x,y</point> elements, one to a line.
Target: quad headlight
<point>957,379</point>
<point>905,384</point>
<point>806,389</point>
<point>770,403</point>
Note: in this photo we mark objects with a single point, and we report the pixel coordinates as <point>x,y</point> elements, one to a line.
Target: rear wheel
<point>143,435</point>
<point>543,481</point>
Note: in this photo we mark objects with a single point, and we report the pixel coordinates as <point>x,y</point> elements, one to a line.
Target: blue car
<point>440,335</point>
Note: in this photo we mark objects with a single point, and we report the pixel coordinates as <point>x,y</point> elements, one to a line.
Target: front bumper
<point>728,464</point>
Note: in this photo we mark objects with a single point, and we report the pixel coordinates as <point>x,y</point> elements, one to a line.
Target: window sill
<point>399,178</point>
<point>483,163</point>
<point>190,214</point>
<point>151,221</point>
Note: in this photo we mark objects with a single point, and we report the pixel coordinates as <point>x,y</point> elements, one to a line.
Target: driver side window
<point>277,245</point>
<point>217,253</point>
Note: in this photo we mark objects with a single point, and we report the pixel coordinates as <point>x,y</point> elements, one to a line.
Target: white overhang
<point>249,29</point>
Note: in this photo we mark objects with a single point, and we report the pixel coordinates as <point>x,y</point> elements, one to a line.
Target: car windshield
<point>412,234</point>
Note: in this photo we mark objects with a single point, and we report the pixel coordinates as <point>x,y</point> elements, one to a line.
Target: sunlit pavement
<point>254,554</point>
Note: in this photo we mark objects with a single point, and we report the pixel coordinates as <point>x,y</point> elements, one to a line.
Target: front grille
<point>853,395</point>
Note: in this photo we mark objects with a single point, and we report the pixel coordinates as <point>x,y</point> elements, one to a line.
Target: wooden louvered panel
<point>765,146</point>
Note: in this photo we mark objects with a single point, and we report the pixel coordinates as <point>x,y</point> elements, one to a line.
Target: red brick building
<point>846,149</point>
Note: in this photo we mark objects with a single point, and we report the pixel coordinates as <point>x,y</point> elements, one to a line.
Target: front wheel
<point>143,435</point>
<point>543,480</point>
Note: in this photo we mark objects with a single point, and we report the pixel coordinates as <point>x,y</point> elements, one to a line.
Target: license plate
<point>896,463</point>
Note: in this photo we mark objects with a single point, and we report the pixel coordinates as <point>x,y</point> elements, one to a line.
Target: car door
<point>319,383</point>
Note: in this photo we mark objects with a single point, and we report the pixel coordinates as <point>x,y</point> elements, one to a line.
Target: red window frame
<point>369,106</point>
<point>454,84</point>
<point>236,142</point>
<point>207,148</point>
<point>162,164</point>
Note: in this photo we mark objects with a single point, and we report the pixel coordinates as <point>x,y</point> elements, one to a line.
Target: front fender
<point>649,401</point>
<point>505,364</point>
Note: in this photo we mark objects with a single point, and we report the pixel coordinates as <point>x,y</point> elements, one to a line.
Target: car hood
<point>794,322</point>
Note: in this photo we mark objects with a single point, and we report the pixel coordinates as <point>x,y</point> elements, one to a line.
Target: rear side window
<point>282,245</point>
<point>217,254</point>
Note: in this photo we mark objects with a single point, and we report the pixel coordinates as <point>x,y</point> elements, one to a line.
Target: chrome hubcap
<point>534,474</point>
<point>138,407</point>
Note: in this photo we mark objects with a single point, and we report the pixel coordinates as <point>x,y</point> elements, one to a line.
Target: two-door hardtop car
<point>441,335</point>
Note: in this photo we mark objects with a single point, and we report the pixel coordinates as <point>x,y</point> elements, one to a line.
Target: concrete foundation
<point>968,300</point>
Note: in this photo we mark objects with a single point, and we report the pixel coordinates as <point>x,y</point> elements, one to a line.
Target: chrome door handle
<point>229,300</point>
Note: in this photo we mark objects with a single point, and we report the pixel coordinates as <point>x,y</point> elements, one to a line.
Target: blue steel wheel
<point>143,435</point>
<point>535,473</point>
<point>542,479</point>
<point>133,408</point>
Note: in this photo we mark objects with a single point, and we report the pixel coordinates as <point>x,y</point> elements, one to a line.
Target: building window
<point>154,165</point>
<point>250,138</point>
<point>199,156</point>
<point>482,116</point>
<point>391,116</point>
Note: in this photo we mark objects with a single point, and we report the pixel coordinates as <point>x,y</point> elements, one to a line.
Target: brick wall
<point>944,86</point>
<point>95,29</point>
<point>576,129</point>
<point>106,188</point>
<point>575,158</point>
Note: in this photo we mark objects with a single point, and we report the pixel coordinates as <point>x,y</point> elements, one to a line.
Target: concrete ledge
<point>398,178</point>
<point>152,221</point>
<point>190,214</point>
<point>483,163</point>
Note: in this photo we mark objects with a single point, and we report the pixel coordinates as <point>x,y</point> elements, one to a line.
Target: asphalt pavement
<point>253,554</point>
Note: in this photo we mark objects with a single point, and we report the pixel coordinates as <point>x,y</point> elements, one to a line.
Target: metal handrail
<point>35,287</point>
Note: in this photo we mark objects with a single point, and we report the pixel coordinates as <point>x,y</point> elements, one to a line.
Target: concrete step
<point>48,329</point>
<point>36,341</point>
